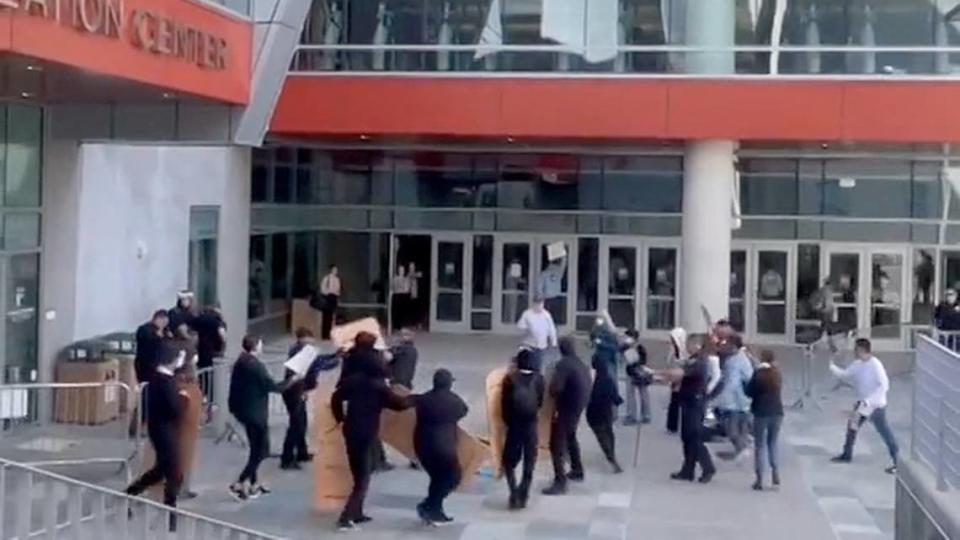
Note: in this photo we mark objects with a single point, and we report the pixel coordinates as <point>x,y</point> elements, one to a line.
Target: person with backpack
<point>640,379</point>
<point>521,399</point>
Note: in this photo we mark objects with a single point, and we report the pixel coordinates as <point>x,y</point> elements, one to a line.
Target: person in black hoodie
<point>521,399</point>
<point>163,415</point>
<point>150,336</point>
<point>601,409</point>
<point>435,442</point>
<point>250,389</point>
<point>767,408</point>
<point>570,388</point>
<point>366,392</point>
<point>692,398</point>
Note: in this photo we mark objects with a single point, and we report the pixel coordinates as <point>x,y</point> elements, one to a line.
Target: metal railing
<point>813,61</point>
<point>935,426</point>
<point>38,503</point>
<point>31,413</point>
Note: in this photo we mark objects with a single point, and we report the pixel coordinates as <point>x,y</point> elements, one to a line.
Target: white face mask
<point>259,349</point>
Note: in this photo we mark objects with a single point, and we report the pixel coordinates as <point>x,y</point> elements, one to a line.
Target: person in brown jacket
<point>767,408</point>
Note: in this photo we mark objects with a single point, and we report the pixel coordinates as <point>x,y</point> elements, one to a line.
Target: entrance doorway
<point>411,281</point>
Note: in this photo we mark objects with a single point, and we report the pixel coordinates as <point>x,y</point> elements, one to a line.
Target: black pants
<point>521,443</point>
<point>330,304</point>
<point>166,470</point>
<point>694,448</point>
<point>295,441</point>
<point>444,472</point>
<point>673,413</point>
<point>259,450</point>
<point>401,311</point>
<point>603,429</point>
<point>564,444</point>
<point>358,455</point>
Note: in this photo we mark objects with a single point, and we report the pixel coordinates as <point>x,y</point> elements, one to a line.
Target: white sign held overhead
<point>300,362</point>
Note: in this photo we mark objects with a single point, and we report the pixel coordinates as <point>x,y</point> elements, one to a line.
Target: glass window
<point>924,272</point>
<point>21,231</point>
<point>927,195</point>
<point>661,288</point>
<point>22,293</point>
<point>202,271</point>
<point>622,286</point>
<point>481,318</point>
<point>768,194</point>
<point>283,183</point>
<point>24,133</point>
<point>441,180</point>
<point>886,294</point>
<point>363,260</point>
<point>345,178</point>
<point>808,327</point>
<point>279,264</point>
<point>588,256</point>
<point>647,184</point>
<point>259,279</point>
<point>306,274</point>
<point>772,292</point>
<point>516,281</point>
<point>738,288</point>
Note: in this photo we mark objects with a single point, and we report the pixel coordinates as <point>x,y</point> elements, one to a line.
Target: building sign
<point>144,29</point>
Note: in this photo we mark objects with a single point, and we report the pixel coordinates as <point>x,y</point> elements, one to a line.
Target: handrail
<point>934,428</point>
<point>556,48</point>
<point>116,495</point>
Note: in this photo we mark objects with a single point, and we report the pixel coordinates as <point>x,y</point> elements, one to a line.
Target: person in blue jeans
<point>764,390</point>
<point>869,380</point>
<point>732,403</point>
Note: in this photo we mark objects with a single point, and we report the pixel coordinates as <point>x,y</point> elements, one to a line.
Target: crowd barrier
<point>935,426</point>
<point>38,503</point>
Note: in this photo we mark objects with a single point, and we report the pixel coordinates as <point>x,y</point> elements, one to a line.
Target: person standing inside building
<point>150,337</point>
<point>605,398</point>
<point>250,389</point>
<point>163,416</point>
<point>677,357</point>
<point>181,316</point>
<point>733,403</point>
<point>400,303</point>
<point>869,380</point>
<point>947,319</point>
<point>692,397</point>
<point>521,399</point>
<point>330,289</point>
<point>550,287</point>
<point>435,442</point>
<point>570,388</point>
<point>540,331</point>
<point>357,403</point>
<point>764,390</point>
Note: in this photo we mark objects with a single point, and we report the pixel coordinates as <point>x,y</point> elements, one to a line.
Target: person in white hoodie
<point>869,380</point>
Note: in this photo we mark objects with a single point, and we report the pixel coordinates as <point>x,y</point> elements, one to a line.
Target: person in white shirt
<point>541,332</point>
<point>869,380</point>
<point>330,288</point>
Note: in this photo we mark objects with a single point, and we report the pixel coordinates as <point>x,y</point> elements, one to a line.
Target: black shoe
<point>187,495</point>
<point>514,503</point>
<point>306,458</point>
<point>575,476</point>
<point>291,466</point>
<point>238,492</point>
<point>682,476</point>
<point>444,518</point>
<point>425,516</point>
<point>617,469</point>
<point>757,486</point>
<point>345,525</point>
<point>385,467</point>
<point>891,469</point>
<point>842,458</point>
<point>555,489</point>
<point>363,519</point>
<point>414,466</point>
<point>776,479</point>
<point>706,477</point>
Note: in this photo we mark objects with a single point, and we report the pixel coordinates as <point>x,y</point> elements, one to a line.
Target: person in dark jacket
<point>403,366</point>
<point>435,442</point>
<point>570,388</point>
<point>692,399</point>
<point>163,416</point>
<point>211,333</point>
<point>250,389</point>
<point>767,408</point>
<point>295,450</point>
<point>181,316</point>
<point>640,378</point>
<point>604,398</point>
<point>150,337</point>
<point>521,399</point>
<point>366,394</point>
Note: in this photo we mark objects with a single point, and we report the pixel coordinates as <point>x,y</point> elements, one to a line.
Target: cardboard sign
<point>301,361</point>
<point>556,250</point>
<point>344,336</point>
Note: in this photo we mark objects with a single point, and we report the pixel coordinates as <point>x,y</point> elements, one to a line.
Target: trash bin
<point>122,347</point>
<point>84,362</point>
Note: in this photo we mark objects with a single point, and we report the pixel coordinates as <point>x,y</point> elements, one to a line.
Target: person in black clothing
<point>365,358</point>
<point>766,405</point>
<point>211,335</point>
<point>149,346</point>
<point>692,399</point>
<point>181,316</point>
<point>521,399</point>
<point>403,366</point>
<point>570,388</point>
<point>163,415</point>
<point>602,407</point>
<point>366,391</point>
<point>250,388</point>
<point>435,442</point>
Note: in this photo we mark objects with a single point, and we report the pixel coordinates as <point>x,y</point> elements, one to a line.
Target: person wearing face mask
<point>181,316</point>
<point>521,398</point>
<point>165,410</point>
<point>692,399</point>
<point>947,319</point>
<point>250,388</point>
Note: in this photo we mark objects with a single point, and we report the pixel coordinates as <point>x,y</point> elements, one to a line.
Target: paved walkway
<point>817,501</point>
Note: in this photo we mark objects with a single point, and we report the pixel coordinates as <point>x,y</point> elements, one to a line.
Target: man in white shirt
<point>541,332</point>
<point>869,380</point>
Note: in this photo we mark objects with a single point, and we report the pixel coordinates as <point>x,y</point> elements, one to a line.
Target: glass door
<point>513,261</point>
<point>622,280</point>
<point>843,270</point>
<point>552,281</point>
<point>449,309</point>
<point>738,289</point>
<point>661,287</point>
<point>771,291</point>
<point>887,286</point>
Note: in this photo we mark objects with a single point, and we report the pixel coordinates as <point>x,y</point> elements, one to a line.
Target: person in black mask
<point>692,399</point>
<point>435,442</point>
<point>250,389</point>
<point>163,415</point>
<point>521,399</point>
<point>181,316</point>
<point>150,337</point>
<point>570,388</point>
<point>365,392</point>
<point>604,400</point>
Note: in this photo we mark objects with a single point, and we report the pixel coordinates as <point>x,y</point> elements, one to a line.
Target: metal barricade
<point>39,503</point>
<point>935,429</point>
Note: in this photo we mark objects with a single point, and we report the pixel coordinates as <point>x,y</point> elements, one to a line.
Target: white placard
<point>301,361</point>
<point>110,393</point>
<point>13,404</point>
<point>556,250</point>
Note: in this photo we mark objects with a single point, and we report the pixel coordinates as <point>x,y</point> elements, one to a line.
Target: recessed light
<point>364,137</point>
<point>510,140</point>
<point>169,95</point>
<point>32,67</point>
<point>27,95</point>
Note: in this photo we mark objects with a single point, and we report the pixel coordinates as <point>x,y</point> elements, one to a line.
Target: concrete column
<point>705,245</point>
<point>708,177</point>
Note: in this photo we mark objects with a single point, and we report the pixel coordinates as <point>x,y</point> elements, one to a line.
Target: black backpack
<point>524,397</point>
